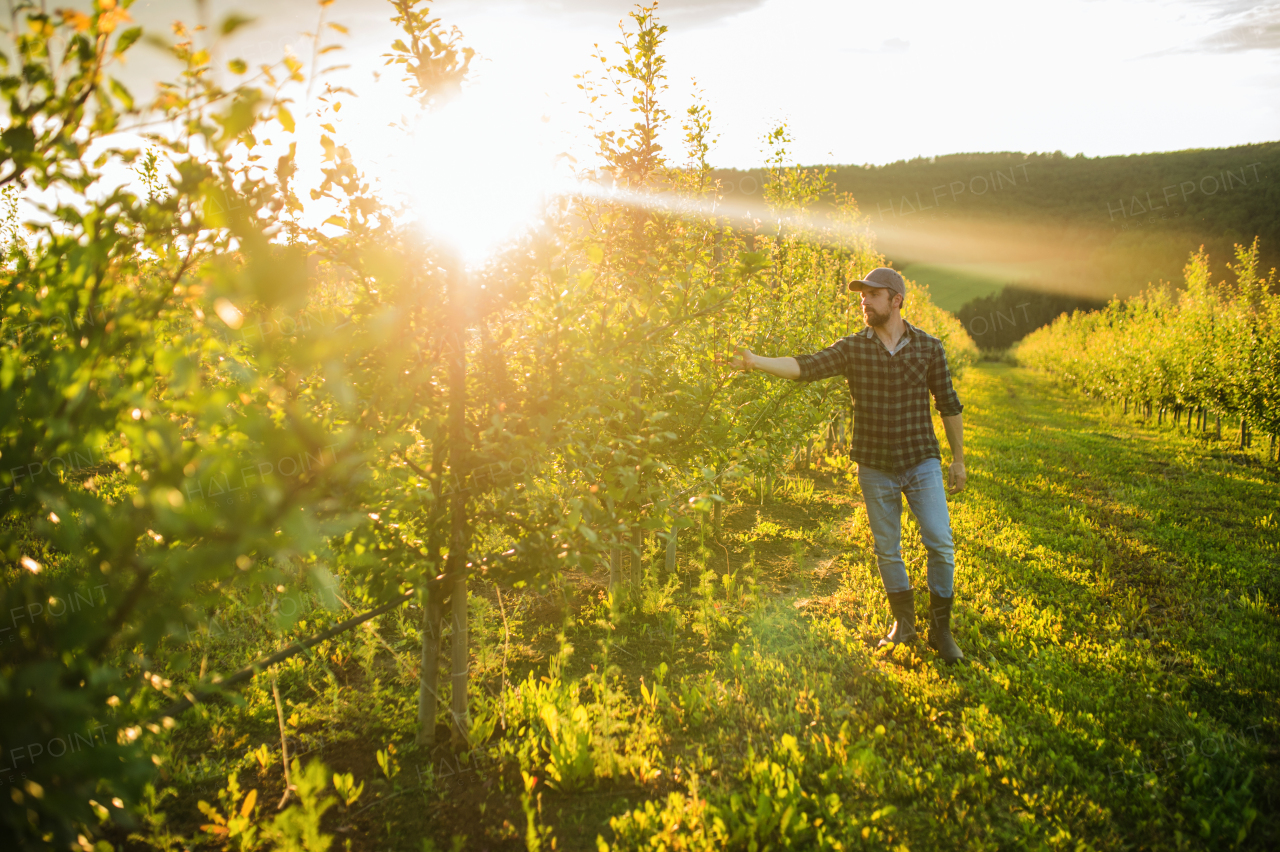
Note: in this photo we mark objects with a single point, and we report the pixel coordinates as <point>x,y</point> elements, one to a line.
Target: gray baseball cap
<point>882,278</point>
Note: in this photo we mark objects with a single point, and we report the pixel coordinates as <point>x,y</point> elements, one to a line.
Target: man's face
<point>877,304</point>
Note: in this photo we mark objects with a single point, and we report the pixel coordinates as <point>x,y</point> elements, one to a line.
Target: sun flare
<point>476,172</point>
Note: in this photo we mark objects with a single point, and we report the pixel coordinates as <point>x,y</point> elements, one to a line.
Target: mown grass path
<point>1120,585</point>
<point>1119,588</point>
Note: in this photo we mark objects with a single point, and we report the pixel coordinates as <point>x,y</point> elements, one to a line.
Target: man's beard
<point>874,319</point>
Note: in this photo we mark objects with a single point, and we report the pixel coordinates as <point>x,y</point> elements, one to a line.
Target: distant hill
<point>968,224</point>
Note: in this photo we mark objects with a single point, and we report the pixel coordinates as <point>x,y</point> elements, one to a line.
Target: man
<point>892,367</point>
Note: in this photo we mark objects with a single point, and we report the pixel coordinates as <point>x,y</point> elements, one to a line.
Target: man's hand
<point>742,360</point>
<point>954,424</point>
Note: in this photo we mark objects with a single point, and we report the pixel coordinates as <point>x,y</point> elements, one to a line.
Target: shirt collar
<point>908,332</point>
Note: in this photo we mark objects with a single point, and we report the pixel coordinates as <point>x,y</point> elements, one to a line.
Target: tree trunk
<point>1217,425</point>
<point>669,566</point>
<point>808,454</point>
<point>715,519</point>
<point>455,567</point>
<point>1244,433</point>
<point>429,667</point>
<point>615,568</point>
<point>637,557</point>
<point>458,677</point>
<point>284,739</point>
<point>1126,405</point>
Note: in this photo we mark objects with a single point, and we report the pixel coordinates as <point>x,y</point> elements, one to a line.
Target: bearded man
<point>892,368</point>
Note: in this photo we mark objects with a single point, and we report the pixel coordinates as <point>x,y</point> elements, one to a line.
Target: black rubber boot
<point>940,638</point>
<point>903,607</point>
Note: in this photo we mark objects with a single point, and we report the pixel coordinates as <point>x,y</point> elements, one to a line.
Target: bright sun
<point>476,171</point>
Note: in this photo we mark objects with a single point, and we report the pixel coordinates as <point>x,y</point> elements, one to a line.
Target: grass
<point>951,288</point>
<point>1117,588</point>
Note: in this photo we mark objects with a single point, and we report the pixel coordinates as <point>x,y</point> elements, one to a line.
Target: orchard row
<point>1207,348</point>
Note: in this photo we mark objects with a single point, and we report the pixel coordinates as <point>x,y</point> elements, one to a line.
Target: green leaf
<point>233,22</point>
<point>126,40</point>
<point>8,371</point>
<point>277,275</point>
<point>249,800</point>
<point>237,66</point>
<point>19,139</point>
<point>242,113</point>
<point>118,89</point>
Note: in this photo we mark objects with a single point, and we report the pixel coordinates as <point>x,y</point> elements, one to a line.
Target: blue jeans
<point>927,496</point>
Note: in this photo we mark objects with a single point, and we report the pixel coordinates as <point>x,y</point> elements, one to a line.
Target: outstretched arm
<point>785,367</point>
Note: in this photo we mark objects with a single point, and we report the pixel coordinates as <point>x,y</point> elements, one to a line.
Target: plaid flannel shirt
<point>892,426</point>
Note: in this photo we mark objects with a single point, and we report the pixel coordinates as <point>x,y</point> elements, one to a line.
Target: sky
<point>856,82</point>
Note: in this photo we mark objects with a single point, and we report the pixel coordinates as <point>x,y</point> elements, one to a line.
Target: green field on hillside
<point>952,288</point>
<point>1116,594</point>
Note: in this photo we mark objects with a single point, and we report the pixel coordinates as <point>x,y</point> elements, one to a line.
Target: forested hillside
<point>1094,226</point>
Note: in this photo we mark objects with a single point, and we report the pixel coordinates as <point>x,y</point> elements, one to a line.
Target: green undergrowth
<point>1116,597</point>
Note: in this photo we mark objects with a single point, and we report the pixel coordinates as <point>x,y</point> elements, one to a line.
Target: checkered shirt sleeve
<point>944,395</point>
<point>833,361</point>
